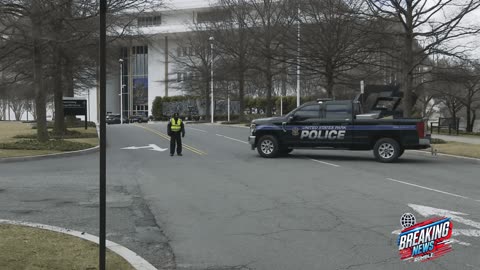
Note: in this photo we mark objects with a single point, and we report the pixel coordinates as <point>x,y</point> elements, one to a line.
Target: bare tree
<point>59,40</point>
<point>335,39</point>
<point>448,86</point>
<point>229,26</point>
<point>193,62</point>
<point>435,23</point>
<point>268,24</point>
<point>470,94</point>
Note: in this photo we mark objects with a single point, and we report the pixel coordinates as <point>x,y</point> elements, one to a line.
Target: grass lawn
<point>9,129</point>
<point>27,146</point>
<point>37,249</point>
<point>459,149</point>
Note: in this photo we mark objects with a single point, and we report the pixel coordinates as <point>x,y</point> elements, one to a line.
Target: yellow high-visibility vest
<point>176,127</point>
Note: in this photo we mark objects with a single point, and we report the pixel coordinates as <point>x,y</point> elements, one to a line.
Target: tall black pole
<point>103,157</point>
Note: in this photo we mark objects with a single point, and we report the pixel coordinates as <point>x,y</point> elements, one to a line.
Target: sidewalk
<point>462,139</point>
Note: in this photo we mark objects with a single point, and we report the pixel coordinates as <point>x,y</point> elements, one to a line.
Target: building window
<point>213,16</point>
<point>185,51</point>
<point>145,21</point>
<point>184,76</point>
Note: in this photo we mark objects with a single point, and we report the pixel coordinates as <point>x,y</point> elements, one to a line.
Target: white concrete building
<point>148,69</point>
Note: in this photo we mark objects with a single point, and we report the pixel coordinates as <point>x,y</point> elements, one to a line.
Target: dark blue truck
<point>340,124</point>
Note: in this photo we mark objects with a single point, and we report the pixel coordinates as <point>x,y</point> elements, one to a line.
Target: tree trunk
<point>40,95</point>
<point>59,126</point>
<point>269,79</point>
<point>469,116</point>
<point>474,117</point>
<point>408,63</point>
<point>241,95</point>
<point>207,101</point>
<point>330,81</point>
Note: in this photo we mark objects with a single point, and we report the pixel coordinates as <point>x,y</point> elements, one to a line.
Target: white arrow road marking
<point>427,211</point>
<point>157,148</point>
<point>153,147</point>
<point>430,211</point>
<point>135,147</point>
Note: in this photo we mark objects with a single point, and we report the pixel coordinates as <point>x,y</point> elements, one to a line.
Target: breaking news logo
<point>426,240</point>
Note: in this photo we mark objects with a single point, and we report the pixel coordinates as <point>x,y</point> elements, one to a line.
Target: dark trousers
<point>175,137</point>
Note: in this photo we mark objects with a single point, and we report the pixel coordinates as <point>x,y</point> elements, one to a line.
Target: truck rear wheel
<point>267,146</point>
<point>386,150</point>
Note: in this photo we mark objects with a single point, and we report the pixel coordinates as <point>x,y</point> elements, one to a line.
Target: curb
<point>446,155</point>
<point>131,257</point>
<point>57,155</point>
<point>229,125</point>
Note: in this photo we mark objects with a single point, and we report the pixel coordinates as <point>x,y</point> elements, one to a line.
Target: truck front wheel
<point>267,146</point>
<point>386,150</point>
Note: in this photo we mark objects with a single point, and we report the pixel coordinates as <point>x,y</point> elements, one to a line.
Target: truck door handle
<point>284,126</point>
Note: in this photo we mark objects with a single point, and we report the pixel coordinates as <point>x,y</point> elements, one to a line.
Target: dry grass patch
<point>459,149</point>
<point>37,249</point>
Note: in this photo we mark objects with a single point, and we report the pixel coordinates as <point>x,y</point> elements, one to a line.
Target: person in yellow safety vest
<point>175,128</point>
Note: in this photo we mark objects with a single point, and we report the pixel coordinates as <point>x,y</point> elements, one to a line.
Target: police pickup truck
<point>340,124</point>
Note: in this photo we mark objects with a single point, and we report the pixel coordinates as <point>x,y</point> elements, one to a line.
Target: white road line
<point>198,129</point>
<point>323,162</point>
<point>232,138</point>
<point>427,188</point>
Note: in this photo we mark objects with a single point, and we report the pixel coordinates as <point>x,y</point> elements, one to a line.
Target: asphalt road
<point>221,206</point>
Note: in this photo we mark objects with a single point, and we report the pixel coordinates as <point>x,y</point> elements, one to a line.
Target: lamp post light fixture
<point>211,39</point>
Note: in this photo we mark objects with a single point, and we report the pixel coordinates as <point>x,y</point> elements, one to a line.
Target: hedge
<point>157,108</point>
<point>289,103</point>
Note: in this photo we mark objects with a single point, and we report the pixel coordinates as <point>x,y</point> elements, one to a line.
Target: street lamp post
<point>121,91</point>
<point>211,39</point>
<point>298,59</point>
<point>228,104</point>
<point>88,101</point>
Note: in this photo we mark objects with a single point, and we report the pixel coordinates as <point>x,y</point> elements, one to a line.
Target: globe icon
<point>407,220</point>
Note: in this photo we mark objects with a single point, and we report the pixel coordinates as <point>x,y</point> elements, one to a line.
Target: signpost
<point>75,106</point>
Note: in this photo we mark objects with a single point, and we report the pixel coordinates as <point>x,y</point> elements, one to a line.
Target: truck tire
<point>386,150</point>
<point>267,146</point>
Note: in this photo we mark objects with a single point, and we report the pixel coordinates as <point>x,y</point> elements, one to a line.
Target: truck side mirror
<point>291,118</point>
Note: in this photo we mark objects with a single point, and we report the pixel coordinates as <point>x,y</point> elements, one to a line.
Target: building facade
<point>147,69</point>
